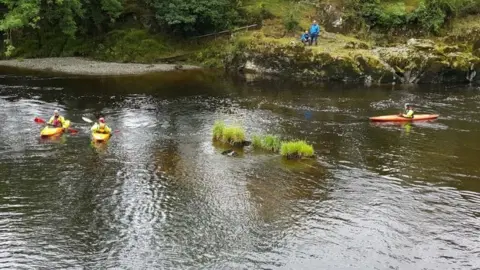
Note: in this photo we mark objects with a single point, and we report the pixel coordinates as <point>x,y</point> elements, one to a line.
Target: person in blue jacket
<point>314,32</point>
<point>305,37</point>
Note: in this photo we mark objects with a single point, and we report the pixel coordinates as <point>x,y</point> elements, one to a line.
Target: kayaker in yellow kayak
<point>408,111</point>
<point>101,127</point>
<point>57,120</point>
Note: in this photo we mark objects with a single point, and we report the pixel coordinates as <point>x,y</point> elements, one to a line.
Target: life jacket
<point>101,128</point>
<point>408,111</point>
<point>57,122</point>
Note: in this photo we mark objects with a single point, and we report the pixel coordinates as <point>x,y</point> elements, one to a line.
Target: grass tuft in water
<point>267,142</point>
<point>231,135</point>
<point>218,128</point>
<point>257,141</point>
<point>296,149</point>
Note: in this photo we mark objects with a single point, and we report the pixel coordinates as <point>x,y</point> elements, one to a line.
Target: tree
<point>190,16</point>
<point>49,16</point>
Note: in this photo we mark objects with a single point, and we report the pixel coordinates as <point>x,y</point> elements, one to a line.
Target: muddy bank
<point>81,66</point>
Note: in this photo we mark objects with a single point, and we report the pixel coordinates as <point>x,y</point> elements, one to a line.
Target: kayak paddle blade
<point>39,120</point>
<point>87,120</point>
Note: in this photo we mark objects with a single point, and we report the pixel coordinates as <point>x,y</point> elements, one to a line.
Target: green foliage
<point>257,141</point>
<point>111,7</point>
<point>428,15</point>
<point>218,128</point>
<point>432,15</point>
<point>233,135</point>
<point>195,16</point>
<point>258,12</point>
<point>61,18</point>
<point>226,134</point>
<point>290,21</point>
<point>62,14</point>
<point>20,13</point>
<point>383,16</point>
<point>51,44</point>
<point>211,56</point>
<point>10,50</point>
<point>267,142</point>
<point>38,28</point>
<point>296,149</point>
<point>131,45</point>
<point>430,18</point>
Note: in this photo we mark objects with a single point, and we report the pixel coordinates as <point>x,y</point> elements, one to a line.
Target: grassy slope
<point>335,43</point>
<point>134,45</point>
<point>206,50</point>
<point>461,26</point>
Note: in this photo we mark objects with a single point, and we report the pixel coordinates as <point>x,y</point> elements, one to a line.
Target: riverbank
<point>342,58</point>
<point>352,47</point>
<point>82,66</point>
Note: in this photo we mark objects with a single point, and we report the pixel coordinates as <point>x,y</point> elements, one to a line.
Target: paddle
<point>41,121</point>
<point>88,120</point>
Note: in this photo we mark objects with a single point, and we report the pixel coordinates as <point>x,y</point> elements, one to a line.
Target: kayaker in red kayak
<point>408,111</point>
<point>56,120</point>
<point>101,127</point>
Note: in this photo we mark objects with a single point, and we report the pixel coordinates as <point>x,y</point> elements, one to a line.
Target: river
<point>160,195</point>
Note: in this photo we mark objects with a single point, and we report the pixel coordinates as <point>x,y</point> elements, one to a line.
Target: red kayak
<point>396,118</point>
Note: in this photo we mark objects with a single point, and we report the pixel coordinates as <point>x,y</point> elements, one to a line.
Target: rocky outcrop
<point>476,48</point>
<point>301,62</point>
<point>423,61</point>
<point>417,61</point>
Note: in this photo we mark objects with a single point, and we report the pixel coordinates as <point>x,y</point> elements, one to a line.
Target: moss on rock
<point>293,59</point>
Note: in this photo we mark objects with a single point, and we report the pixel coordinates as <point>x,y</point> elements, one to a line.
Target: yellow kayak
<point>100,137</point>
<point>49,131</point>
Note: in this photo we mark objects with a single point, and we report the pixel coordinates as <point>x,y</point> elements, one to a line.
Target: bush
<point>296,149</point>
<point>430,18</point>
<point>429,15</point>
<point>290,22</point>
<point>256,13</point>
<point>386,16</point>
<point>132,45</point>
<point>195,16</point>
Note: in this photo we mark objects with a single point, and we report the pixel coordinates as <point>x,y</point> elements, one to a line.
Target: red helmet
<point>101,120</point>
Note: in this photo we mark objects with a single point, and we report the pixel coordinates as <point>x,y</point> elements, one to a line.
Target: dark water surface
<point>161,196</point>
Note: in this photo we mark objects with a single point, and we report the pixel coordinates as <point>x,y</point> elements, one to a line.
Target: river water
<point>160,195</point>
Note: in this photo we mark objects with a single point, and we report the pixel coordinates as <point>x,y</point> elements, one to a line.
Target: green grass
<point>257,141</point>
<point>233,135</point>
<point>282,11</point>
<point>218,128</point>
<point>226,134</point>
<point>461,26</point>
<point>267,142</point>
<point>296,149</point>
<point>272,142</point>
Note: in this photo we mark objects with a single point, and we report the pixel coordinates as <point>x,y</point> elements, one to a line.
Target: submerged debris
<point>230,153</point>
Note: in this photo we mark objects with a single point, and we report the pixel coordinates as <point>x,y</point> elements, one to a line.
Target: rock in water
<point>230,153</point>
